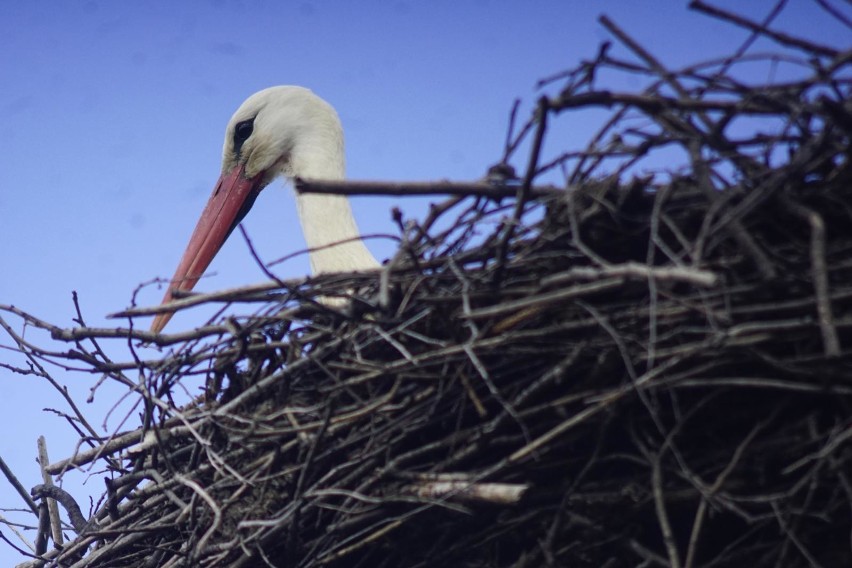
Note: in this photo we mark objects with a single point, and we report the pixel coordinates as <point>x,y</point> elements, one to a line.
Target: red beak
<point>231,200</point>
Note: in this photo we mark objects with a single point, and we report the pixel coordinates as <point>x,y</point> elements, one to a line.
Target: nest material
<point>617,374</point>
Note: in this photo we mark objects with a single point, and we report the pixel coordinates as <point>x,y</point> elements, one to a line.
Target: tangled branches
<point>648,372</point>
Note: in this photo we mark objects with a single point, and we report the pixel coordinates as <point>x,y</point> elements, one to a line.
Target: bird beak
<point>232,198</point>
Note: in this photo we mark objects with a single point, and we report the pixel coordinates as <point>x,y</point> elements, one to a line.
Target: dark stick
<point>472,189</point>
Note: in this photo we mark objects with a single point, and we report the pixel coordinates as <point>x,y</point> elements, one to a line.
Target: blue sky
<point>113,117</point>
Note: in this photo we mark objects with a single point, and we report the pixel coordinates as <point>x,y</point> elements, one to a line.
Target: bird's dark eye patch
<point>242,131</point>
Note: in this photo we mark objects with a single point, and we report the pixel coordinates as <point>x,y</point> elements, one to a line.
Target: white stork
<point>280,131</point>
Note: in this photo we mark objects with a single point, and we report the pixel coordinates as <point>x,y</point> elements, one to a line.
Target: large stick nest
<point>649,372</point>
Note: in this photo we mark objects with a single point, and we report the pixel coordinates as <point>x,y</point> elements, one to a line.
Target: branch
<point>473,189</point>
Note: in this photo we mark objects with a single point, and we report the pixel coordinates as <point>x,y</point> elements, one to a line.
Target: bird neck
<point>328,220</point>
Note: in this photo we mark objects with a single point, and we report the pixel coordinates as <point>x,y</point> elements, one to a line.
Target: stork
<point>280,131</point>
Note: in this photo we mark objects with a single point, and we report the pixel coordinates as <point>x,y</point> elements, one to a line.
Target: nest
<point>616,373</point>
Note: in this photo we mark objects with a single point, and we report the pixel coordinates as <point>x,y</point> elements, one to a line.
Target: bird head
<point>283,130</point>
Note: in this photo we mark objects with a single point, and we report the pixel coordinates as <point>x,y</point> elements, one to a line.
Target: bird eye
<point>242,132</point>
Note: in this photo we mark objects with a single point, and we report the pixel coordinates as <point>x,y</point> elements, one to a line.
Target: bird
<point>284,131</point>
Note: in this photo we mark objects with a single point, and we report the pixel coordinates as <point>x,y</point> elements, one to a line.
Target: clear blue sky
<point>114,112</point>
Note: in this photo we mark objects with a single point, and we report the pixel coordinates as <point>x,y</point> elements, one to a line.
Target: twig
<point>819,273</point>
<point>546,299</point>
<point>704,278</point>
<point>52,507</point>
<point>75,515</point>
<point>782,38</point>
<point>498,493</point>
<point>12,478</point>
<point>662,515</point>
<point>479,189</point>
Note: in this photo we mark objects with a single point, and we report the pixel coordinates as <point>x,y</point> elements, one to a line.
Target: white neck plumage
<point>327,219</point>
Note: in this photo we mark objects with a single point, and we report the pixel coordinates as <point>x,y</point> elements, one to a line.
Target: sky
<point>113,115</point>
